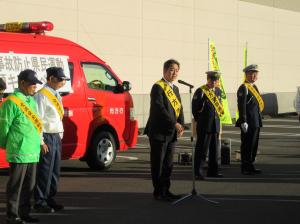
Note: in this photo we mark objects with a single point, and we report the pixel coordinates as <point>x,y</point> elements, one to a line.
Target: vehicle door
<point>106,103</point>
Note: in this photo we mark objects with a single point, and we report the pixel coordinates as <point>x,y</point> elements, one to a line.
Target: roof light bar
<point>27,27</point>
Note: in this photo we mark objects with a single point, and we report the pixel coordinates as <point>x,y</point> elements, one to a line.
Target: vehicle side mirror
<point>126,85</point>
<point>64,93</point>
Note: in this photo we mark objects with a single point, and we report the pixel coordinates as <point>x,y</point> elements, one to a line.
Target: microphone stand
<point>193,192</point>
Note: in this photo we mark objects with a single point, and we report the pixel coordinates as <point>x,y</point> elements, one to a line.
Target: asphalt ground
<point>123,194</point>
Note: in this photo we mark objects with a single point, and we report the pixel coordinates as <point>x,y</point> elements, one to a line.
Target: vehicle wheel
<point>102,152</point>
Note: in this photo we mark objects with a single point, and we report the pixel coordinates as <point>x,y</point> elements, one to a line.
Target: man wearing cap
<point>50,110</point>
<point>250,106</point>
<point>164,125</point>
<point>207,109</point>
<point>2,89</point>
<point>20,136</point>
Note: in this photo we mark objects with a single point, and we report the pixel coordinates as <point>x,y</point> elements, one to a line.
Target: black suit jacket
<point>248,108</point>
<point>162,118</point>
<point>204,112</point>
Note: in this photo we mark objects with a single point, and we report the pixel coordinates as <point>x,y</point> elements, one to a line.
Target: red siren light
<point>40,26</point>
<point>27,27</point>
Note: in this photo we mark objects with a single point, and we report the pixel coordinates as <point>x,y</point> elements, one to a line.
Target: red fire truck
<point>99,117</point>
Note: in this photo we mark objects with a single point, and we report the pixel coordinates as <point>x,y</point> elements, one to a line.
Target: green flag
<point>245,65</point>
<point>245,58</point>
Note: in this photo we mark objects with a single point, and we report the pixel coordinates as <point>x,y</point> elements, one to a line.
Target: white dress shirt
<point>48,113</point>
<point>169,83</point>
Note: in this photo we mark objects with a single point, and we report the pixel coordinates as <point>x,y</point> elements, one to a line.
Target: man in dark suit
<point>250,106</point>
<point>207,109</point>
<point>164,125</point>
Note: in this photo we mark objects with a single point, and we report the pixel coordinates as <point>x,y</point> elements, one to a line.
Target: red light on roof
<point>27,27</point>
<point>38,27</point>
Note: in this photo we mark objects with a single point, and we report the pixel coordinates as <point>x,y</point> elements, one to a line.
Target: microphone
<point>185,83</point>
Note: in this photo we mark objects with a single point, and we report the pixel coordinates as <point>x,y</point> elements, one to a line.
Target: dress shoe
<point>166,196</point>
<point>217,175</point>
<point>43,209</point>
<point>256,171</point>
<point>14,220</point>
<point>57,207</point>
<point>156,196</point>
<point>173,196</point>
<point>29,219</point>
<point>52,204</point>
<point>247,172</point>
<point>199,177</point>
<point>163,197</point>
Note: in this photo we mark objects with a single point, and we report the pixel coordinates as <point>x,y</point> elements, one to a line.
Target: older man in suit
<point>207,109</point>
<point>164,125</point>
<point>250,106</point>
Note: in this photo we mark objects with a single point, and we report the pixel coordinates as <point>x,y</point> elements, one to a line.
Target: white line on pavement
<point>128,157</point>
<point>141,146</point>
<point>281,126</point>
<point>256,199</point>
<point>281,120</point>
<point>266,133</point>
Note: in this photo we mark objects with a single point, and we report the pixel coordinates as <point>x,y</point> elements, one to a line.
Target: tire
<point>102,153</point>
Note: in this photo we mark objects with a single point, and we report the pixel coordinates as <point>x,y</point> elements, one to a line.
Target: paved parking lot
<point>123,194</point>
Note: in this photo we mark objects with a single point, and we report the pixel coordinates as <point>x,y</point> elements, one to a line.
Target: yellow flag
<point>214,65</point>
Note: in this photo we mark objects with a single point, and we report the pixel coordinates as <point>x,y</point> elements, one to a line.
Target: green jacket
<point>18,135</point>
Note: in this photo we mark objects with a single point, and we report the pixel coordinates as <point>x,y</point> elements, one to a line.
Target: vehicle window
<point>71,68</point>
<point>98,77</point>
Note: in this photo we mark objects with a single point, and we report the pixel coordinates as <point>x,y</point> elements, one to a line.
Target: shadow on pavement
<point>116,208</point>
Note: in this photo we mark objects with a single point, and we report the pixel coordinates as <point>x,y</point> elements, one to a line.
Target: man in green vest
<point>20,136</point>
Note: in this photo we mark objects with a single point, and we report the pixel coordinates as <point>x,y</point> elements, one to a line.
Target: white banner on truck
<point>11,64</point>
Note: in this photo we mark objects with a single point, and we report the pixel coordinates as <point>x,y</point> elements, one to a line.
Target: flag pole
<point>208,55</point>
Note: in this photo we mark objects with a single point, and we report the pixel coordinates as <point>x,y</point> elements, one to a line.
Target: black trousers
<point>48,171</point>
<point>249,145</point>
<point>206,142</point>
<point>20,188</point>
<point>161,157</point>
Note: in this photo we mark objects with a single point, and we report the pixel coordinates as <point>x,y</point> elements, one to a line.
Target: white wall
<point>136,36</point>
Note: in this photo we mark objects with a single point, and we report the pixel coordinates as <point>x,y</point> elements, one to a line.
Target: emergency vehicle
<point>99,118</point>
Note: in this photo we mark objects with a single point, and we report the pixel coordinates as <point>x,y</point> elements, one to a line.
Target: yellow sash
<point>28,112</point>
<point>214,100</point>
<point>53,99</point>
<point>171,96</point>
<point>256,95</point>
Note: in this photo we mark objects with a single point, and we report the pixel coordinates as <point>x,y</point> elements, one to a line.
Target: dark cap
<point>2,84</point>
<point>56,72</point>
<point>250,68</point>
<point>213,75</point>
<point>30,76</point>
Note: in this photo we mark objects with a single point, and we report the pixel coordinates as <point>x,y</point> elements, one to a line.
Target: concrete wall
<point>136,36</point>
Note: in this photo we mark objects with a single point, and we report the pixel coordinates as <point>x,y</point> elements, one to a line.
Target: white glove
<point>244,127</point>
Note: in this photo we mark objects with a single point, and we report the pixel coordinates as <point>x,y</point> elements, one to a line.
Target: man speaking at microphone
<point>164,125</point>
